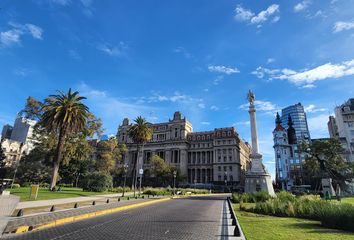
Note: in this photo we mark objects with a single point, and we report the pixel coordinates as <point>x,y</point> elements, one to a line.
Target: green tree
<point>140,133</point>
<point>33,109</point>
<point>64,114</point>
<point>160,170</point>
<point>3,168</point>
<point>323,159</point>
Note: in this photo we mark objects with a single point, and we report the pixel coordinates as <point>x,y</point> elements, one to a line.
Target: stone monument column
<point>257,178</point>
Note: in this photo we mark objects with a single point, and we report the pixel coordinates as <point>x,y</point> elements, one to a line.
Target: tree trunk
<point>57,158</point>
<point>134,166</point>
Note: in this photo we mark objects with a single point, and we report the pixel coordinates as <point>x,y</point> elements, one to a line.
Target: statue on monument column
<point>251,97</point>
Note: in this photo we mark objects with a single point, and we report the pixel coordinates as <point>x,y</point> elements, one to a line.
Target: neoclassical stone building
<point>203,157</point>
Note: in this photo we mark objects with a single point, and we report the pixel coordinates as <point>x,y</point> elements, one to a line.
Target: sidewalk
<point>50,202</point>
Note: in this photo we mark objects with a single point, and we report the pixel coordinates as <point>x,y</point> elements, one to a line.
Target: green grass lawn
<point>348,200</point>
<point>259,227</point>
<point>44,193</point>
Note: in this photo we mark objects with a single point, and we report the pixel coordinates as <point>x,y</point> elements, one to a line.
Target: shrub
<point>332,215</point>
<point>285,196</point>
<point>97,182</point>
<point>250,197</point>
<point>68,185</point>
<point>120,189</point>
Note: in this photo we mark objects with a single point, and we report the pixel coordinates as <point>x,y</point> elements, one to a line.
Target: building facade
<point>211,157</point>
<point>18,139</point>
<point>342,127</point>
<point>13,151</point>
<point>288,160</point>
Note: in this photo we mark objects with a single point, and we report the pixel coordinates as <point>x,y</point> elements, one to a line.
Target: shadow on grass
<point>318,228</point>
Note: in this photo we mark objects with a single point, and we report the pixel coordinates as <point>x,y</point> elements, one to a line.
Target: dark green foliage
<point>330,214</point>
<point>250,197</point>
<point>3,169</point>
<point>97,182</point>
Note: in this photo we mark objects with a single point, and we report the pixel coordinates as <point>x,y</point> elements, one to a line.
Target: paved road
<point>186,218</point>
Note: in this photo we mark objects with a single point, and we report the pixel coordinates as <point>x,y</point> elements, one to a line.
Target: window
<point>225,159</point>
<point>219,168</point>
<point>219,159</point>
<point>176,132</point>
<point>230,158</point>
<point>225,168</point>
<point>230,168</point>
<point>219,178</point>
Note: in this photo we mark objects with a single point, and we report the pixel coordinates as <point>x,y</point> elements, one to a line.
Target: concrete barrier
<point>8,204</point>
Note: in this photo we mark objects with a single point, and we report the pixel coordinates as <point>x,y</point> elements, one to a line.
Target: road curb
<point>61,221</point>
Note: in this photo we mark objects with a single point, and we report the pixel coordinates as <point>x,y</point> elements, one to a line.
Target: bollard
<point>107,201</point>
<point>237,232</point>
<point>52,209</point>
<point>136,197</point>
<point>148,196</point>
<point>20,213</point>
<point>30,228</point>
<point>94,203</point>
<point>233,221</point>
<point>76,205</point>
<point>128,198</point>
<point>119,199</point>
<point>143,197</point>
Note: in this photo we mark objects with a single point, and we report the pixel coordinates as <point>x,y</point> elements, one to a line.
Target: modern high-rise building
<point>342,127</point>
<point>218,156</point>
<point>299,120</point>
<point>6,131</point>
<point>17,140</point>
<point>22,130</point>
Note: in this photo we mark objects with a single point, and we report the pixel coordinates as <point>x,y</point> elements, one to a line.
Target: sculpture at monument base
<point>257,178</point>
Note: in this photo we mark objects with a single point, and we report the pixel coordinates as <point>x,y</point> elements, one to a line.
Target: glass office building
<point>299,119</point>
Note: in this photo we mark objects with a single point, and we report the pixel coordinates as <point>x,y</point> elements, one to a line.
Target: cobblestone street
<point>186,218</point>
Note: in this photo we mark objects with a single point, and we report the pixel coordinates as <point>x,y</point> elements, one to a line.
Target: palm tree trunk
<point>57,158</point>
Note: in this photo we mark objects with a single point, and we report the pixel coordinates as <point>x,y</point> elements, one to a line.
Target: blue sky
<point>200,57</point>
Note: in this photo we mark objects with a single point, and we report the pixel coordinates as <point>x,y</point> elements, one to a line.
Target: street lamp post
<point>174,182</point>
<point>225,180</point>
<point>125,177</point>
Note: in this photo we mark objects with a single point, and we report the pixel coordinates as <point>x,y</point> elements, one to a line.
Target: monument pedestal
<point>257,178</point>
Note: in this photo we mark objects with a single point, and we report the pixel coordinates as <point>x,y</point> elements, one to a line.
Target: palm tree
<point>140,133</point>
<point>63,114</point>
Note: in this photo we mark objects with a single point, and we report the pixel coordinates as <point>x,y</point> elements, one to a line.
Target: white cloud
<point>74,54</point>
<point>214,108</point>
<point>23,72</point>
<point>223,69</point>
<point>13,36</point>
<point>183,51</point>
<point>10,37</point>
<point>263,15</point>
<point>34,30</point>
<point>302,6</point>
<point>264,106</point>
<point>318,126</point>
<point>205,123</point>
<point>218,79</point>
<point>242,14</point>
<point>270,60</point>
<point>201,105</point>
<point>312,109</point>
<point>246,15</point>
<point>306,78</point>
<point>341,26</point>
<point>114,51</point>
